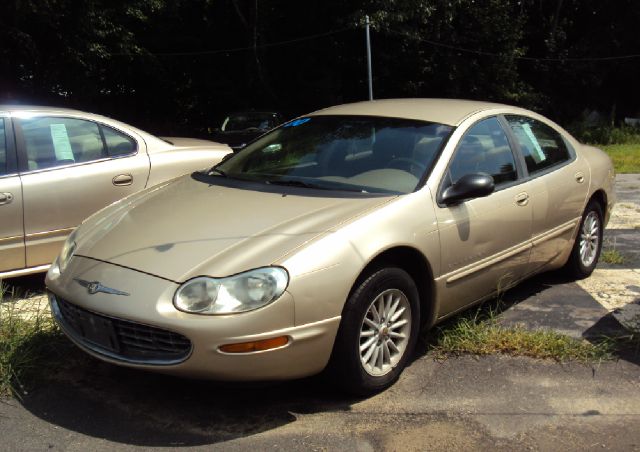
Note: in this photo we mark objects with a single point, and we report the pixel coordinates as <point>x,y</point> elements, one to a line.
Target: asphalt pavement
<point>466,403</point>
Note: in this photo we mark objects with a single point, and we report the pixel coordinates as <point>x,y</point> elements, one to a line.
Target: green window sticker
<point>61,143</point>
<point>538,154</point>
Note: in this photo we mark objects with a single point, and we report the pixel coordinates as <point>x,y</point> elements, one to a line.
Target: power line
<point>241,49</point>
<point>524,58</point>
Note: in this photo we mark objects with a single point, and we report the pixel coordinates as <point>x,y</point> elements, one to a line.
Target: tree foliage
<point>175,66</point>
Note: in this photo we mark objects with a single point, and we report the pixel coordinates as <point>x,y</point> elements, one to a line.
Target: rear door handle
<point>122,180</point>
<point>6,198</point>
<point>522,199</point>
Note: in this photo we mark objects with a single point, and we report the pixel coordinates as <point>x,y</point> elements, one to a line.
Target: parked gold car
<point>59,166</point>
<point>332,240</point>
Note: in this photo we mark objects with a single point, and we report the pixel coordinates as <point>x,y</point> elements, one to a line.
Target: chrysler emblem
<point>94,287</point>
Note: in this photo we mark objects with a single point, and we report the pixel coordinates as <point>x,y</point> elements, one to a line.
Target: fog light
<point>256,346</point>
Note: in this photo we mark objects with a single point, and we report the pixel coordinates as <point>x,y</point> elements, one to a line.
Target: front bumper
<point>149,308</point>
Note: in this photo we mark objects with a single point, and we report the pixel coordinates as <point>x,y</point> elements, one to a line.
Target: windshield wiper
<point>294,183</point>
<point>300,183</point>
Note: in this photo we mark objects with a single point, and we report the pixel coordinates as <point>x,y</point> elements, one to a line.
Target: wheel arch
<point>600,197</point>
<point>417,266</point>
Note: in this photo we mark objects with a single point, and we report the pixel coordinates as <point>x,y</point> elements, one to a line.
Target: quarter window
<point>484,149</point>
<point>118,144</point>
<point>3,149</point>
<point>541,146</point>
<point>53,141</point>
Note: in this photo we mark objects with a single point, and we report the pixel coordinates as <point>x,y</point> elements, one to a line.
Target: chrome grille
<point>118,338</point>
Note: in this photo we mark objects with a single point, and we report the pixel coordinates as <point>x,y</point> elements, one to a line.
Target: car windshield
<point>244,121</point>
<point>364,154</point>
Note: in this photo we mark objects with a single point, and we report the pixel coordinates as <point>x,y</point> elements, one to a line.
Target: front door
<point>11,228</point>
<point>485,241</point>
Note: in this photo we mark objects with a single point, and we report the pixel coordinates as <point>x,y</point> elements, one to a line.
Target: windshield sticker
<point>297,122</point>
<point>61,144</point>
<point>538,154</point>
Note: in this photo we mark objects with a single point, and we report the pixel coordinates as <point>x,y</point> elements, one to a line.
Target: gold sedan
<point>331,241</point>
<point>58,166</point>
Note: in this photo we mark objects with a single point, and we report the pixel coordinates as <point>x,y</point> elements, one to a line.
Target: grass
<point>626,157</point>
<point>479,333</point>
<point>31,344</point>
<point>612,256</point>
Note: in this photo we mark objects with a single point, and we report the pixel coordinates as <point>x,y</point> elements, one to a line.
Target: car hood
<point>188,228</point>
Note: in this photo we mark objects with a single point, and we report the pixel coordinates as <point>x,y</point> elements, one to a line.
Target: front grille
<point>121,339</point>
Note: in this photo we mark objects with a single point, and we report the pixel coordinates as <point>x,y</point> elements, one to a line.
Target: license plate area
<point>99,331</point>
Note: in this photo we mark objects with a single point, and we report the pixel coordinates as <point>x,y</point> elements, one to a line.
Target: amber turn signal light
<point>256,346</point>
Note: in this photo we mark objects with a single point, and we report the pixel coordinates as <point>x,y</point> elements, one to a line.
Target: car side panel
<point>324,272</point>
<point>12,255</point>
<point>602,175</point>
<point>58,199</point>
<point>558,199</point>
<point>172,163</point>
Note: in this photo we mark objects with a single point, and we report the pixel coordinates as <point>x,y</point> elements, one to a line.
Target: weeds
<point>480,333</point>
<point>30,343</point>
<point>612,256</point>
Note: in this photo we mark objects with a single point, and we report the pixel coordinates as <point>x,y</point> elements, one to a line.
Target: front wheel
<point>586,249</point>
<point>378,332</point>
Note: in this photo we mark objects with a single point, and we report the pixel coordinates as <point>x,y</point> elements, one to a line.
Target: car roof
<point>444,111</point>
<point>8,108</point>
<point>37,108</point>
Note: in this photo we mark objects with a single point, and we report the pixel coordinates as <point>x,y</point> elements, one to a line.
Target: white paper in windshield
<point>538,153</point>
<point>61,143</point>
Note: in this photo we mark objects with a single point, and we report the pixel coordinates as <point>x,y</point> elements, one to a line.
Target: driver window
<point>484,149</point>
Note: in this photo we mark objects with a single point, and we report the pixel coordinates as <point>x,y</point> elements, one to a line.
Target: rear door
<point>70,168</point>
<point>11,227</point>
<point>558,187</point>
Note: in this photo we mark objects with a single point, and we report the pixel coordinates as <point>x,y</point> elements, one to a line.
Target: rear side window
<point>3,148</point>
<point>54,141</point>
<point>118,143</point>
<point>484,149</point>
<point>541,146</point>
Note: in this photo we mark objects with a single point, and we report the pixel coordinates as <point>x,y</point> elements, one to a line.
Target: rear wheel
<point>586,249</point>
<point>377,333</point>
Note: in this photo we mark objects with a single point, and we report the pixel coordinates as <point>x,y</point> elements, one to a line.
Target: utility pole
<point>369,72</point>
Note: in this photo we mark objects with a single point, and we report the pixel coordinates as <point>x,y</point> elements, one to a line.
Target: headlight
<point>238,293</point>
<point>68,249</point>
<point>64,257</point>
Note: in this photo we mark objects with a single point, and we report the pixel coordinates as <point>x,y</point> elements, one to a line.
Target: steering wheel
<point>409,165</point>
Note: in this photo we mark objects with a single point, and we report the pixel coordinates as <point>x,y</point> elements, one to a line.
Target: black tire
<point>346,367</point>
<point>577,267</point>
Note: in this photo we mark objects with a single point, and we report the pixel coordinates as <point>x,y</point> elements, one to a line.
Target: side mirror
<point>468,187</point>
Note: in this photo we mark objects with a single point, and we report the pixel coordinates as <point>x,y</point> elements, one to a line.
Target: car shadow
<point>145,409</point>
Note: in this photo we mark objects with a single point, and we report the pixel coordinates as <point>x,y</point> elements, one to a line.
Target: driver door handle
<point>122,180</point>
<point>6,198</point>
